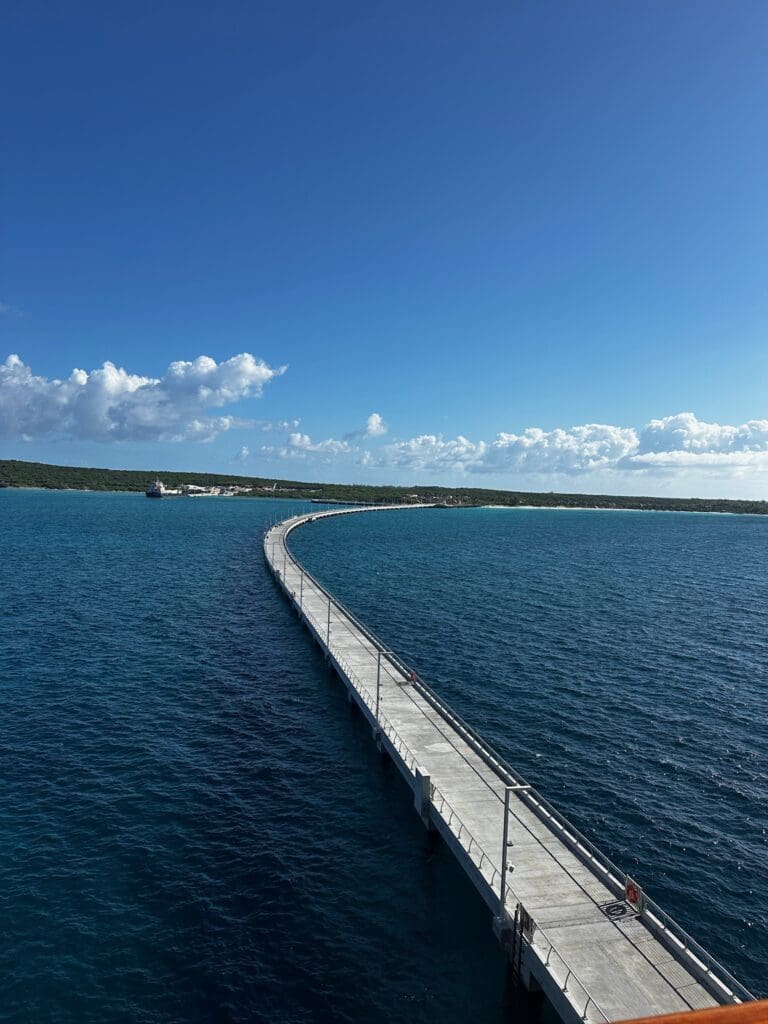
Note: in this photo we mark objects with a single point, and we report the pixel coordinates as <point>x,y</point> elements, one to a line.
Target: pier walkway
<point>572,923</point>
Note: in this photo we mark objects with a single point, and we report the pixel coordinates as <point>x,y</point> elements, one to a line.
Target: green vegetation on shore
<point>14,473</point>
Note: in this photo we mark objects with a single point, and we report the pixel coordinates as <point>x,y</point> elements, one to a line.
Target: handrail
<point>669,933</point>
<point>479,856</point>
<point>437,795</point>
<point>409,759</point>
<point>570,973</point>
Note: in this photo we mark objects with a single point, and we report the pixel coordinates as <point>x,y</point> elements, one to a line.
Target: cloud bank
<point>188,403</point>
<point>683,440</point>
<point>661,447</point>
<point>577,450</point>
<point>668,444</point>
<point>110,404</point>
<point>301,446</point>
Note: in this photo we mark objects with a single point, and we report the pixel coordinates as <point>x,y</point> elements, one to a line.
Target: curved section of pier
<point>573,924</point>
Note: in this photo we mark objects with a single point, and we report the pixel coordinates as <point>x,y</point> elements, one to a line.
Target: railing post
<point>301,591</point>
<point>328,630</point>
<point>285,556</point>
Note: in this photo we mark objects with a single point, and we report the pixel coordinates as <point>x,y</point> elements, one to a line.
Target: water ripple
<point>194,825</point>
<point>616,660</point>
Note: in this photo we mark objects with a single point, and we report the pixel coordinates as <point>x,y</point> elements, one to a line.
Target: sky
<point>517,244</point>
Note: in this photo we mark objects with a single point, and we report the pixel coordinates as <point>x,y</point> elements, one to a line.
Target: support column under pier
<point>422,800</point>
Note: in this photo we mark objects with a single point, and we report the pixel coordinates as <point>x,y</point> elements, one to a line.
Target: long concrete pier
<point>573,924</point>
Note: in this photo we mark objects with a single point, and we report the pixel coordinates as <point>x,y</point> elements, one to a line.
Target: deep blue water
<point>195,826</point>
<point>619,660</point>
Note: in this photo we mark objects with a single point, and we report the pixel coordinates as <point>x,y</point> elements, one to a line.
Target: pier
<point>572,923</point>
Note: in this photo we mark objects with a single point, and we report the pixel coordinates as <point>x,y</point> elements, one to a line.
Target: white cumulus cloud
<point>432,452</point>
<point>301,445</point>
<point>110,404</point>
<point>683,440</point>
<point>375,425</point>
<point>676,442</point>
<point>575,450</point>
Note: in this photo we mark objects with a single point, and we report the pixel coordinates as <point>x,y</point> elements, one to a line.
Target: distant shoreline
<point>627,508</point>
<point>505,508</point>
<point>18,474</point>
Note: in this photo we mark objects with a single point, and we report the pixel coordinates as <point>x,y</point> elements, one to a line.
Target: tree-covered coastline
<point>15,473</point>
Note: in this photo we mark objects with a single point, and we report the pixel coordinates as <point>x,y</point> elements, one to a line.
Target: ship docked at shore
<point>159,490</point>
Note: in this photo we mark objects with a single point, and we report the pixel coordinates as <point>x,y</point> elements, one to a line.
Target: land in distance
<point>15,473</point>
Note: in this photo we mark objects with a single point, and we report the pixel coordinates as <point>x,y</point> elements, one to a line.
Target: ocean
<point>196,826</point>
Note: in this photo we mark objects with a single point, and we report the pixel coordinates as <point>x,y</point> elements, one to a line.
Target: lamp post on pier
<point>505,845</point>
<point>504,848</point>
<point>379,656</point>
<point>378,684</point>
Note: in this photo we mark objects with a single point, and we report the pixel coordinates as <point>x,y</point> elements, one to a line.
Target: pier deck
<point>564,919</point>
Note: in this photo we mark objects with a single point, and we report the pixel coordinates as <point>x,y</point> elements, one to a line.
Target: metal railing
<point>565,976</point>
<point>463,835</point>
<point>669,933</point>
<point>439,803</point>
<point>451,818</point>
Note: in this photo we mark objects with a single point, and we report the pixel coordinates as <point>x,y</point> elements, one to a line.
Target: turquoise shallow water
<point>195,826</point>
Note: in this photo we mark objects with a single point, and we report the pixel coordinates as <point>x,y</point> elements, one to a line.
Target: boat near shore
<point>159,490</point>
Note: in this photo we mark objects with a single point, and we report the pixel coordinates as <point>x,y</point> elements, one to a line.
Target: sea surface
<point>196,826</point>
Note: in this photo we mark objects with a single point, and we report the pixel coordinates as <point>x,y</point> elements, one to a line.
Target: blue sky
<point>529,236</point>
